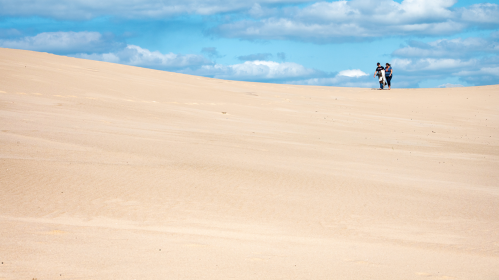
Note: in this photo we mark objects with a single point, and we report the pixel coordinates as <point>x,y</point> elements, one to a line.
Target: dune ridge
<point>117,172</point>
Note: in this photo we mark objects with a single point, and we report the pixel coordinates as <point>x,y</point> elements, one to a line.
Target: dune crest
<point>116,172</point>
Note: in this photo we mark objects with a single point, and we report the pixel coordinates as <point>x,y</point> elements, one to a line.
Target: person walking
<point>388,74</point>
<point>380,72</point>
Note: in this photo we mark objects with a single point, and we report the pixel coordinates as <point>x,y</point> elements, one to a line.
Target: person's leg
<point>389,80</point>
<point>380,79</point>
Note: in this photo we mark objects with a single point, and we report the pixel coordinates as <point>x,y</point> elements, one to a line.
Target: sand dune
<point>116,172</point>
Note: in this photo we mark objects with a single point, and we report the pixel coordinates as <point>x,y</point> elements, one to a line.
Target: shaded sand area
<point>116,172</point>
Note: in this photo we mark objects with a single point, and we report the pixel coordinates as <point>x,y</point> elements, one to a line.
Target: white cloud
<point>137,56</point>
<point>64,42</point>
<point>255,71</point>
<point>288,29</point>
<point>481,13</point>
<point>87,9</point>
<point>488,75</point>
<point>95,46</point>
<point>474,60</point>
<point>381,12</point>
<point>319,22</point>
<point>493,71</point>
<point>490,70</point>
<point>355,20</point>
<point>420,66</point>
<point>345,78</point>
<point>352,73</point>
<point>338,81</point>
<point>455,48</point>
<point>259,11</point>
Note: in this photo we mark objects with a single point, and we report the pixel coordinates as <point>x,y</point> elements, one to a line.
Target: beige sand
<point>116,172</point>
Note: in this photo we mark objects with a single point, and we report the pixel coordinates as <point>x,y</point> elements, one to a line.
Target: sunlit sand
<point>116,172</point>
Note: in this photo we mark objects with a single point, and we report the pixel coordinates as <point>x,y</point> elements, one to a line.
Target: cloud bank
<point>299,20</point>
<point>137,56</point>
<point>64,42</point>
<point>268,71</point>
<point>360,20</point>
<point>139,9</point>
<point>455,48</point>
<point>474,60</point>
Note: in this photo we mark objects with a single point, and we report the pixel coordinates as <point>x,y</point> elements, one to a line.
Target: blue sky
<point>430,43</point>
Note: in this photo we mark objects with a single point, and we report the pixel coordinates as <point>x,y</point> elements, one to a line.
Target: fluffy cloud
<point>455,48</point>
<point>472,71</point>
<point>87,9</point>
<point>485,13</point>
<point>352,73</point>
<point>64,42</point>
<point>488,75</point>
<point>318,22</point>
<point>95,46</point>
<point>339,81</point>
<point>257,70</point>
<point>357,20</point>
<point>285,72</point>
<point>267,71</point>
<point>137,56</point>
<point>473,60</point>
<point>426,65</point>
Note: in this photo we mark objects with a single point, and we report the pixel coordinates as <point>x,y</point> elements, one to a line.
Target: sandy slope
<point>116,172</point>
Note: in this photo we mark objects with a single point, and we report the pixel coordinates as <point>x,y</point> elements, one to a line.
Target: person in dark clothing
<point>380,72</point>
<point>388,75</point>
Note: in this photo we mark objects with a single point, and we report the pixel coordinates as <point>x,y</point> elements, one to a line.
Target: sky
<point>429,43</point>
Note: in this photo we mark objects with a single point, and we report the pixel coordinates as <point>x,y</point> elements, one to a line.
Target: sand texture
<point>116,172</point>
